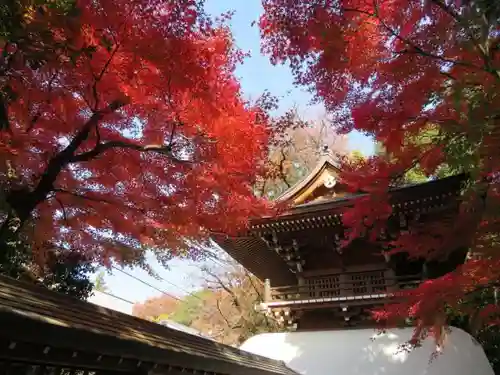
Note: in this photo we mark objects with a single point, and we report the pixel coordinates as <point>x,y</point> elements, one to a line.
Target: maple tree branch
<point>62,208</point>
<point>102,147</point>
<point>419,51</point>
<point>172,133</point>
<point>38,114</point>
<point>69,151</point>
<point>485,55</point>
<point>98,78</point>
<point>448,75</point>
<point>24,201</point>
<point>417,48</point>
<point>100,200</point>
<point>97,135</point>
<point>408,42</point>
<point>448,10</point>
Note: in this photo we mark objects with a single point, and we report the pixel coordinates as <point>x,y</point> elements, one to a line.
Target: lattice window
<point>349,284</point>
<point>378,282</point>
<point>328,286</point>
<point>368,282</point>
<point>358,283</point>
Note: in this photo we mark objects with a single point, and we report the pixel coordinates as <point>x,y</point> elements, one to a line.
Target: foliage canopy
<point>123,128</point>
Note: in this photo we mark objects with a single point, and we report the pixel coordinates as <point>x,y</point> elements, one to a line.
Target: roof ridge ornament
<point>316,177</point>
<point>325,150</point>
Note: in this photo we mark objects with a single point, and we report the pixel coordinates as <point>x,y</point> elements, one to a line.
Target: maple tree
<point>123,129</point>
<point>155,307</point>
<point>423,79</point>
<point>63,271</point>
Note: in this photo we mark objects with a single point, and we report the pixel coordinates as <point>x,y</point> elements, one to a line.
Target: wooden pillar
<point>390,280</point>
<point>301,290</point>
<point>267,291</point>
<point>425,271</point>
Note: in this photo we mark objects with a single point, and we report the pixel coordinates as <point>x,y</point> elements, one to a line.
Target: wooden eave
<point>38,325</point>
<point>252,252</point>
<point>423,197</point>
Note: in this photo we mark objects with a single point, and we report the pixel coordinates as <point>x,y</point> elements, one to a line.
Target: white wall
<point>364,352</point>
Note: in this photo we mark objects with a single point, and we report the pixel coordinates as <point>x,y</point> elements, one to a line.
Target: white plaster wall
<point>364,352</point>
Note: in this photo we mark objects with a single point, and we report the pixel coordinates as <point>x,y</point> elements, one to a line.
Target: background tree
<point>224,309</point>
<point>295,151</point>
<point>230,313</point>
<point>130,134</point>
<point>189,307</point>
<point>99,283</point>
<point>152,308</point>
<point>62,271</point>
<point>424,64</point>
<point>487,335</point>
<point>67,272</point>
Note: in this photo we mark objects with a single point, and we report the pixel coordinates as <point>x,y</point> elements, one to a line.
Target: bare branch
<point>249,277</point>
<point>62,208</point>
<point>98,78</point>
<point>282,168</point>
<point>222,314</point>
<point>38,114</point>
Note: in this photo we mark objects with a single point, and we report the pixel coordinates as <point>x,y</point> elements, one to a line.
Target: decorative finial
<point>325,150</point>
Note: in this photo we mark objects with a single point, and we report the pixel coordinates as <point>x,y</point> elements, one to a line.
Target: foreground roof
<point>68,332</point>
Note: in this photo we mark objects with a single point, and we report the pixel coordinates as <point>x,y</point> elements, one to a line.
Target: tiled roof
<point>32,314</point>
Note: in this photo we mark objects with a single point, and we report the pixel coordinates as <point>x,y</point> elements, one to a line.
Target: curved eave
<point>253,254</point>
<point>411,198</point>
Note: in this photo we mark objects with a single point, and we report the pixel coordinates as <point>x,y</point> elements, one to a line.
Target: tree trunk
<point>24,201</point>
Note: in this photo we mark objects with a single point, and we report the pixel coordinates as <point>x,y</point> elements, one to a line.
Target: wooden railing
<point>345,285</point>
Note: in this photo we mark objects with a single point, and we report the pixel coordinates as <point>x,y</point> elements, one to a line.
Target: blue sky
<point>256,75</point>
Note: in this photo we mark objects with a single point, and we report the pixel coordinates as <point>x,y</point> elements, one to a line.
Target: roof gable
<point>319,184</point>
